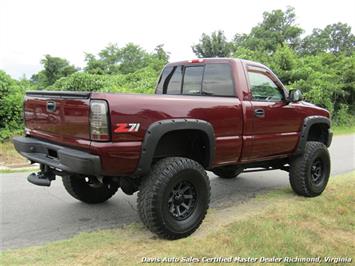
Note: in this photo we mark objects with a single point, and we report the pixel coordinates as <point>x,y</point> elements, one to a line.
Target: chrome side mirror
<point>295,96</point>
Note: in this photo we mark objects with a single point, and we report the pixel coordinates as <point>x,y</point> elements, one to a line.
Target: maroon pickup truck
<point>223,115</point>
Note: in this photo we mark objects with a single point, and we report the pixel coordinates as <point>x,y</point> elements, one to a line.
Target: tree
<point>334,38</point>
<point>11,100</point>
<point>283,63</point>
<point>54,69</point>
<point>276,29</point>
<point>215,45</point>
<point>160,53</point>
<point>128,59</point>
<point>132,58</point>
<point>107,62</point>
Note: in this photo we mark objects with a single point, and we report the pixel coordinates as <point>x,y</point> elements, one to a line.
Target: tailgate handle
<point>51,106</point>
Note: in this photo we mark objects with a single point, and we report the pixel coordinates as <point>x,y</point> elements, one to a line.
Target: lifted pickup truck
<point>222,115</point>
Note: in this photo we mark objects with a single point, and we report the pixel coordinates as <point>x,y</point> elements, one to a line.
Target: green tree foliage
<point>334,38</point>
<point>54,69</point>
<point>125,60</point>
<point>214,45</point>
<point>141,81</point>
<point>11,99</point>
<point>277,29</point>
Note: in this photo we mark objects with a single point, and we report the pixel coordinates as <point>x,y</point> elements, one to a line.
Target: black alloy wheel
<point>182,200</point>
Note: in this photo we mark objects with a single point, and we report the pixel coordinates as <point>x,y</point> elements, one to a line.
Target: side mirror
<point>295,96</point>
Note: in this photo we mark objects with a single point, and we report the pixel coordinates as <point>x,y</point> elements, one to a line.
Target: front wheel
<point>174,198</point>
<point>82,189</point>
<point>309,172</point>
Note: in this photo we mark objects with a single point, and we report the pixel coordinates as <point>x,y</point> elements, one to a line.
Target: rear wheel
<point>85,190</point>
<point>309,172</point>
<point>228,172</point>
<point>174,198</point>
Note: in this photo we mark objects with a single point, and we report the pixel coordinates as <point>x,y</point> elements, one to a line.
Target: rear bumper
<point>59,157</point>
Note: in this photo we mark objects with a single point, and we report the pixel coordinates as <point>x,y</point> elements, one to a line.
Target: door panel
<point>276,132</point>
<point>275,123</point>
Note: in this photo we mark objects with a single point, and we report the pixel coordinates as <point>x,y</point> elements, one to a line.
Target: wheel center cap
<point>178,199</point>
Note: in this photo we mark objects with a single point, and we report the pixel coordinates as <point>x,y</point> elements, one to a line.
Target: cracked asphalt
<point>32,215</point>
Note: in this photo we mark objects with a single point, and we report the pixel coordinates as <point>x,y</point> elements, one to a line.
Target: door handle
<point>259,112</point>
<point>51,106</point>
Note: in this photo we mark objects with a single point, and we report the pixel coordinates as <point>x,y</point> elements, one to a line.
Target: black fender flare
<point>307,124</point>
<point>158,129</point>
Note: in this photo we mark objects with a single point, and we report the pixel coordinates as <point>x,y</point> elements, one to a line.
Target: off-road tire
<point>78,188</point>
<point>227,172</point>
<point>159,187</point>
<point>303,170</point>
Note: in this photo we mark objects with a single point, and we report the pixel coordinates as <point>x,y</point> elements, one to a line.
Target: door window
<point>263,88</point>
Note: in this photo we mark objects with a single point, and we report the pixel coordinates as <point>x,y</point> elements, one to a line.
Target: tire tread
<point>298,169</point>
<point>148,193</point>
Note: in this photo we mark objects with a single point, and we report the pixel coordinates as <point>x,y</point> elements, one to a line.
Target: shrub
<point>11,99</point>
<point>141,81</point>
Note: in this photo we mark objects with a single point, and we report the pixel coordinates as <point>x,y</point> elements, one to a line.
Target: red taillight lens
<point>99,130</point>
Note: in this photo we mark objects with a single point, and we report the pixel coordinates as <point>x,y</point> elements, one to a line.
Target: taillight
<point>196,61</point>
<point>99,130</point>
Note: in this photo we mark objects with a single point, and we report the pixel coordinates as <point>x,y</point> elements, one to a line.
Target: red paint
<point>240,136</point>
<point>121,128</point>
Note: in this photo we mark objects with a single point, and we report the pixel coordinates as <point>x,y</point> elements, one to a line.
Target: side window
<point>170,80</point>
<point>217,80</point>
<point>263,88</point>
<point>192,80</point>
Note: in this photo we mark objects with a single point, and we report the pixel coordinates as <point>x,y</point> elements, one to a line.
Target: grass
<point>278,224</point>
<point>343,130</point>
<point>9,156</point>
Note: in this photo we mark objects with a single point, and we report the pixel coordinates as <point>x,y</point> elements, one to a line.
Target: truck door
<point>275,123</point>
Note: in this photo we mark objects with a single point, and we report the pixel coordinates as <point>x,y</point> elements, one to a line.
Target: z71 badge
<point>127,127</point>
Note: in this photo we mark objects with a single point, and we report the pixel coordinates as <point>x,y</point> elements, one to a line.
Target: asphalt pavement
<point>32,215</point>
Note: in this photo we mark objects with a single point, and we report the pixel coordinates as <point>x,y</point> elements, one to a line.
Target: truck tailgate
<point>58,114</point>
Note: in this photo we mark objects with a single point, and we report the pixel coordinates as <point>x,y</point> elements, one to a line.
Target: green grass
<point>343,130</point>
<point>278,224</point>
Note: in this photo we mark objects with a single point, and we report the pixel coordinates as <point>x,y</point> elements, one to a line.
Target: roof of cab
<point>216,60</point>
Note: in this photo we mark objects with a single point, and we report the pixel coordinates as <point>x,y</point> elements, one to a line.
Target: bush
<point>142,81</point>
<point>11,100</point>
<point>343,116</point>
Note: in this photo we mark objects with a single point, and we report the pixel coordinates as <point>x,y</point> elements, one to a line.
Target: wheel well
<point>318,132</point>
<point>189,143</point>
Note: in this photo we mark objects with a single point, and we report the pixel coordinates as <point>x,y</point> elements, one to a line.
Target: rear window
<point>170,80</point>
<point>217,80</point>
<point>192,80</point>
<point>209,79</point>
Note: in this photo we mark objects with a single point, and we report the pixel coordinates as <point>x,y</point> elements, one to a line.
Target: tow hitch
<point>42,178</point>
